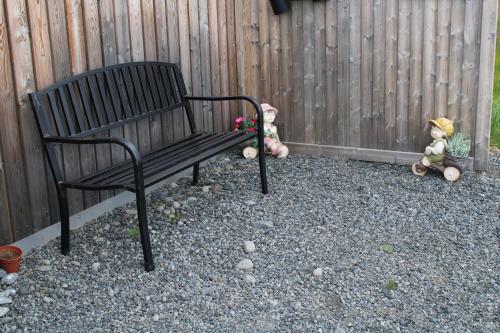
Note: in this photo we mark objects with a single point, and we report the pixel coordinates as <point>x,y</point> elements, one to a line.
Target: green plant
<point>495,120</point>
<point>392,285</point>
<point>458,145</point>
<point>387,248</point>
<point>133,232</point>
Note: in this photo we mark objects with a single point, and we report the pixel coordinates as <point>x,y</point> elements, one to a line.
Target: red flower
<point>251,129</point>
<point>254,121</point>
<point>238,121</point>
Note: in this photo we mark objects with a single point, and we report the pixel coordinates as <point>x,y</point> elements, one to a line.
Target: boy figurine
<point>442,129</point>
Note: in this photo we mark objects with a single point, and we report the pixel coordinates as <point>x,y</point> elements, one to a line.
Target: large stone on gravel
<point>245,265</point>
<point>2,273</point>
<point>3,311</point>
<point>5,300</point>
<point>264,224</point>
<point>318,272</point>
<point>229,186</point>
<point>8,292</point>
<point>249,246</point>
<point>9,279</point>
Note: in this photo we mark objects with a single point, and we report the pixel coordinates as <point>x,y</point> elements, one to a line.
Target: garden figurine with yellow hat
<point>434,155</point>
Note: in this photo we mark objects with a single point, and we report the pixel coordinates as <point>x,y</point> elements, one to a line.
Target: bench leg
<point>262,167</point>
<point>143,228</point>
<point>64,215</point>
<point>196,174</point>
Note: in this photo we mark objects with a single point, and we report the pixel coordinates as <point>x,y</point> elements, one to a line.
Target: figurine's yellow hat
<point>444,124</point>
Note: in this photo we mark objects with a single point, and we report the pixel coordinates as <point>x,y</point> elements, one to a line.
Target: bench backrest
<point>109,97</point>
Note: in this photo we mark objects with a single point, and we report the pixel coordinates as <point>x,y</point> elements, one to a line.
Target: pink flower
<point>251,129</point>
<point>239,120</point>
<point>254,121</point>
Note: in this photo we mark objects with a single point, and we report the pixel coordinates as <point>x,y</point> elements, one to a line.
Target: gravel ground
<point>390,252</point>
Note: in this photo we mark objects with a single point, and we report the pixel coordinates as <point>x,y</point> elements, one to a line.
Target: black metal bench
<point>73,110</point>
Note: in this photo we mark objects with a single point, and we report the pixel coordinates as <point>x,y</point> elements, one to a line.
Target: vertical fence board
<point>331,73</point>
<point>308,107</point>
<point>366,74</point>
<point>485,86</point>
<point>24,78</point>
<point>470,67</point>
<point>320,120</point>
<point>455,61</point>
<point>286,77</point>
<point>298,73</point>
<point>403,83</point>
<point>343,72</point>
<point>378,129</point>
<point>10,138</point>
<point>443,49</point>
<point>391,48</point>
<point>415,93</point>
<point>223,63</point>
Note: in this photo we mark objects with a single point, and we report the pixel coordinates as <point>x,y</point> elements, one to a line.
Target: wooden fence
<point>343,73</point>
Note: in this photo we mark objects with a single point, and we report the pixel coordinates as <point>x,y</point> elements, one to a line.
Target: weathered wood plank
<point>232,61</point>
<point>467,123</point>
<point>240,38</point>
<point>195,56</point>
<point>354,73</point>
<point>298,133</point>
<point>343,72</point>
<point>13,165</point>
<point>428,69</point>
<point>223,63</point>
<point>265,51</point>
<point>214,63</point>
<point>320,120</point>
<point>6,236</point>
<point>378,129</point>
<point>275,59</point>
<point>184,49</point>
<point>485,86</point>
<point>286,69</point>
<point>391,58</point>
<point>32,149</point>
<point>415,92</point>
<point>366,74</point>
<point>403,75</point>
<point>455,61</point>
<point>443,53</point>
<point>331,72</point>
<point>308,56</point>
<point>205,78</point>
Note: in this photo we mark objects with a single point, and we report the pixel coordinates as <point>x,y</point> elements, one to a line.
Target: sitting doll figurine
<point>271,139</point>
<point>442,128</point>
<point>434,155</point>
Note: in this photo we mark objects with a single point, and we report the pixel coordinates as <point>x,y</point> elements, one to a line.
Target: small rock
<point>273,302</point>
<point>156,317</point>
<point>47,299</point>
<point>2,273</point>
<point>250,203</point>
<point>174,185</point>
<point>44,268</point>
<point>107,227</point>
<point>9,279</point>
<point>8,292</point>
<point>131,211</point>
<point>3,311</point>
<point>318,272</point>
<point>249,246</point>
<point>192,199</point>
<point>46,262</point>
<point>339,329</point>
<point>250,279</point>
<point>229,187</point>
<point>95,266</point>
<point>205,189</point>
<point>264,224</point>
<point>176,204</point>
<point>23,291</point>
<point>5,300</point>
<point>226,159</point>
<point>160,208</point>
<point>245,264</point>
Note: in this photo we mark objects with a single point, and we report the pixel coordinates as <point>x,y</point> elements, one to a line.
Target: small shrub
<point>387,248</point>
<point>133,232</point>
<point>458,145</point>
<point>392,285</point>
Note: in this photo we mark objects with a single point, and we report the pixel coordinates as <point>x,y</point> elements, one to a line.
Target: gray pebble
<point>44,268</point>
<point>229,186</point>
<point>9,279</point>
<point>2,273</point>
<point>250,279</point>
<point>245,265</point>
<point>205,189</point>
<point>192,199</point>
<point>3,311</point>
<point>156,317</point>
<point>250,203</point>
<point>5,300</point>
<point>249,246</point>
<point>318,272</point>
<point>95,266</point>
<point>264,224</point>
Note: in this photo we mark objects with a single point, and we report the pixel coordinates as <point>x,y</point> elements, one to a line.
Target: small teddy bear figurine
<point>272,142</point>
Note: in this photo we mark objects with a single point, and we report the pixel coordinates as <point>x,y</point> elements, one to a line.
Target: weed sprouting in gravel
<point>386,248</point>
<point>392,284</point>
<point>133,232</point>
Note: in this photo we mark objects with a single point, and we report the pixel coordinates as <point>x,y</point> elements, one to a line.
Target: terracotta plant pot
<point>10,258</point>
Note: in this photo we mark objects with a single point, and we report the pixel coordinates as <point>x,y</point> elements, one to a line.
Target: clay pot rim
<point>13,248</point>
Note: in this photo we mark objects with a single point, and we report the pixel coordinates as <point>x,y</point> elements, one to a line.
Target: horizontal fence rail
<point>364,74</point>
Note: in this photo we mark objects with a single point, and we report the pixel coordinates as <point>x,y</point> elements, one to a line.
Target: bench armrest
<point>129,147</point>
<point>252,100</point>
